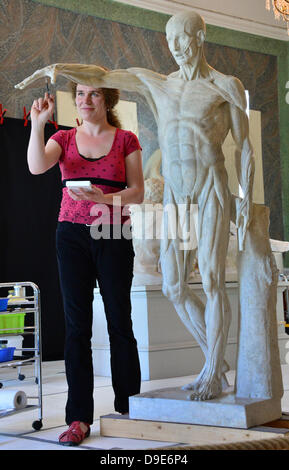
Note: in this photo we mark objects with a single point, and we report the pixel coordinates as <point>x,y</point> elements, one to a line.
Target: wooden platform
<point>122,426</point>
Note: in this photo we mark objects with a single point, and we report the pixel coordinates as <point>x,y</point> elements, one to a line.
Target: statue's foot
<point>207,391</point>
<point>198,382</point>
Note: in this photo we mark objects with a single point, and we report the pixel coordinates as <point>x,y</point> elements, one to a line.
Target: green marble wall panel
<point>37,33</point>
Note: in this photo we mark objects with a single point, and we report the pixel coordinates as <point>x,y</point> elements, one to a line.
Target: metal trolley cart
<point>28,305</point>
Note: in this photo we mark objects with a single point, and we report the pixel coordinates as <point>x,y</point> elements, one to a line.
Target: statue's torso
<point>193,121</point>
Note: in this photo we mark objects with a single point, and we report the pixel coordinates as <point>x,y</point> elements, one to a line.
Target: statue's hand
<point>50,71</point>
<point>243,219</point>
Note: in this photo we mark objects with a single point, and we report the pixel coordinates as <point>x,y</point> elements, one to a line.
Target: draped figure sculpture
<point>194,108</point>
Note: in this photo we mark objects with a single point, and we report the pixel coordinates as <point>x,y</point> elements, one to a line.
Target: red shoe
<point>74,435</point>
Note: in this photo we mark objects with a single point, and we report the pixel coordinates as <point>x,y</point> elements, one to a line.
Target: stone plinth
<point>174,405</point>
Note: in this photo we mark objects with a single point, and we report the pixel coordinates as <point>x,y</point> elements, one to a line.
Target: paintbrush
<point>47,87</point>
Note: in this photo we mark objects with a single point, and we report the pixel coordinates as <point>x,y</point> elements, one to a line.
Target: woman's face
<point>90,103</point>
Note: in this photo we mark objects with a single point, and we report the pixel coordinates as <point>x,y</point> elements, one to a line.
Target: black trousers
<point>81,260</point>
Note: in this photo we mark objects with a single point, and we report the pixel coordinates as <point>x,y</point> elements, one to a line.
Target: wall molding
<point>116,11</point>
<point>163,346</point>
<point>214,18</point>
<point>154,20</point>
<point>232,340</point>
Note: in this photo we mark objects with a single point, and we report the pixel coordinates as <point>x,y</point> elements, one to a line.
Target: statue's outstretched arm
<point>90,75</point>
<point>244,160</point>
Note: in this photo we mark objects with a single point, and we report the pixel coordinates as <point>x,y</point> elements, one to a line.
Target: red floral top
<point>107,173</point>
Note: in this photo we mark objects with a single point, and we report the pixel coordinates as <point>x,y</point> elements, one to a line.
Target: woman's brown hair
<point>111,98</point>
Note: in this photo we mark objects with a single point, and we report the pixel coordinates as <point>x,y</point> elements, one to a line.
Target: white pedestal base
<point>166,348</point>
<point>174,405</point>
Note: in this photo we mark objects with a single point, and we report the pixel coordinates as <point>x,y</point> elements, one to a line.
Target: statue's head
<point>185,33</point>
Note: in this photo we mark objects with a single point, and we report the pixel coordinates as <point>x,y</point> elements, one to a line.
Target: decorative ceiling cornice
<point>247,25</point>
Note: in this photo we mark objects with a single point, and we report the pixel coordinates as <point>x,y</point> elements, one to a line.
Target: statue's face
<point>182,45</point>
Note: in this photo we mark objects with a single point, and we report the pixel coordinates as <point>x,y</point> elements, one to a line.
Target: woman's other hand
<point>93,194</point>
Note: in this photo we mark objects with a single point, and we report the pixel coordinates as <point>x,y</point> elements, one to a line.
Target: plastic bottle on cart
<point>19,292</point>
<point>17,296</point>
<point>10,295</point>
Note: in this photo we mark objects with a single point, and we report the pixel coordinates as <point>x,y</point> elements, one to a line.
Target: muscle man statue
<point>194,108</point>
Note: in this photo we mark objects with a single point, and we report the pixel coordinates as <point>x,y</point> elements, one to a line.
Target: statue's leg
<point>173,261</point>
<point>188,306</point>
<point>214,224</point>
<point>176,265</point>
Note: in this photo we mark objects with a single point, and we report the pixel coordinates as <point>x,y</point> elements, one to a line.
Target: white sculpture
<point>146,221</point>
<point>194,108</point>
<point>148,233</point>
<point>146,224</point>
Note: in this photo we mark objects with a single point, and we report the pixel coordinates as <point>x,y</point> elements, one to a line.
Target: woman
<point>99,151</point>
